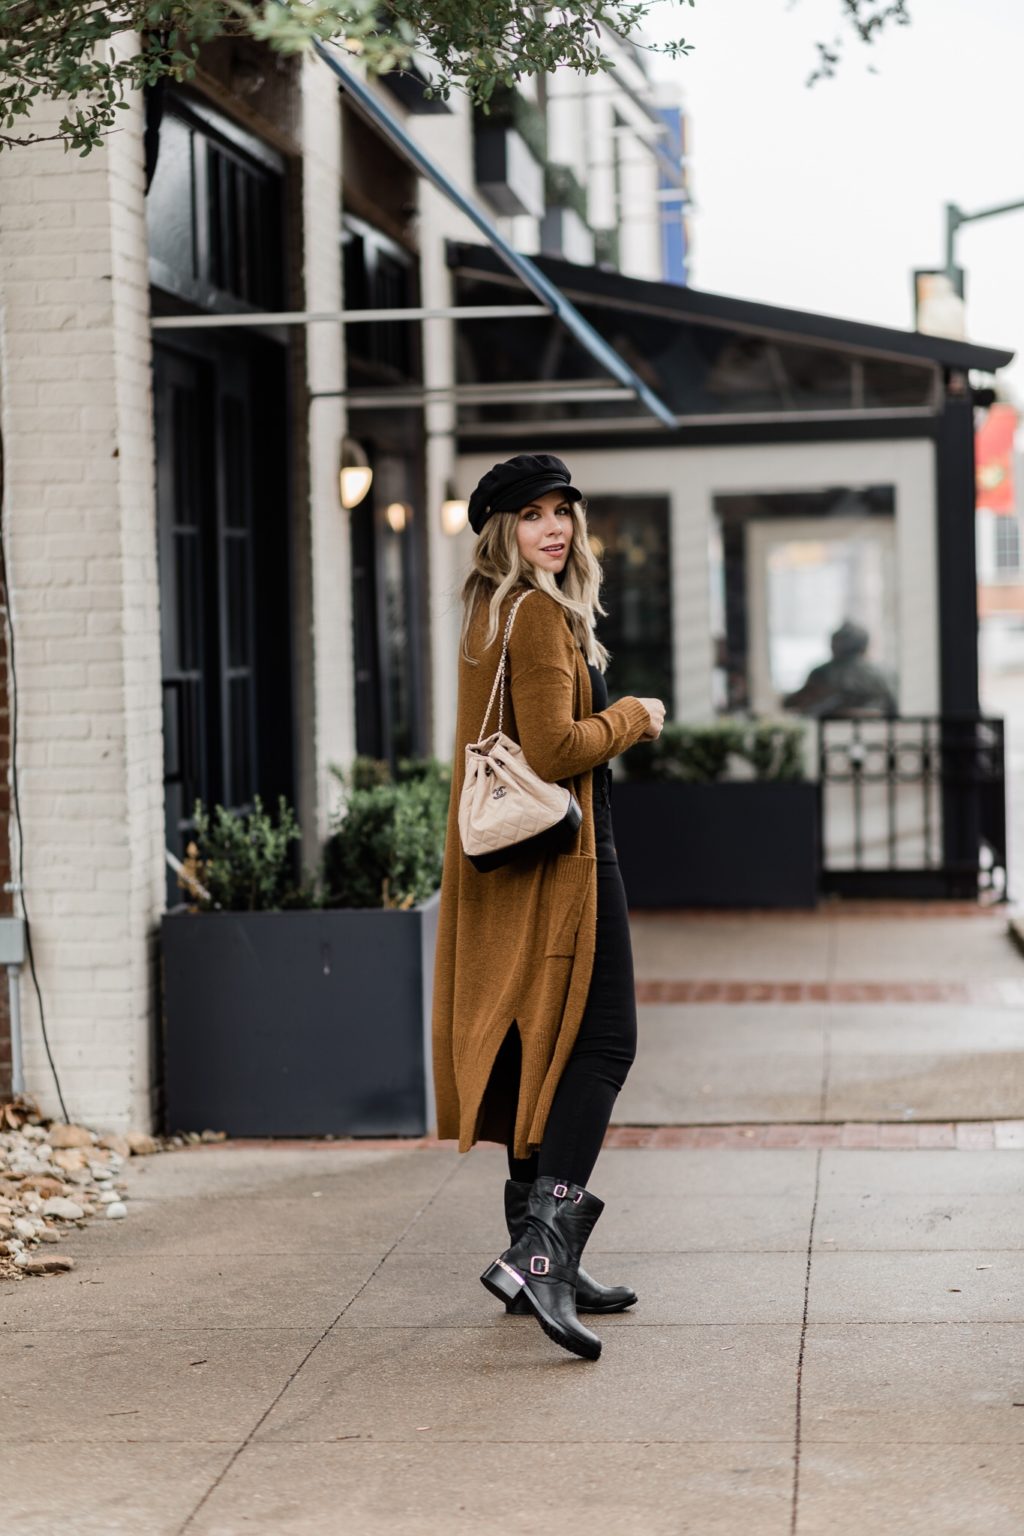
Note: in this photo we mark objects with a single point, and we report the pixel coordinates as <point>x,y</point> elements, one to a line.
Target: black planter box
<point>304,1023</point>
<point>744,843</point>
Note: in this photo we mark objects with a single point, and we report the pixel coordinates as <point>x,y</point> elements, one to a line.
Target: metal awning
<point>377,111</point>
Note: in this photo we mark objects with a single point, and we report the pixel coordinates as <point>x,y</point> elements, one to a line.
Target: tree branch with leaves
<point>867,19</point>
<point>93,57</point>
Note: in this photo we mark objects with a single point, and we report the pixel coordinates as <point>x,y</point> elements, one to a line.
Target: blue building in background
<point>673,195</point>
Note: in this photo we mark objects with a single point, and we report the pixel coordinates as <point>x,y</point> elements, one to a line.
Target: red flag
<point>993,459</point>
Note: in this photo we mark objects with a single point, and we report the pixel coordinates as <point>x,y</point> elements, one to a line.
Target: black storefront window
<point>630,536</point>
<point>824,634</point>
<point>214,211</point>
<point>390,606</point>
<point>390,582</point>
<point>698,369</point>
<point>222,442</point>
<point>378,273</point>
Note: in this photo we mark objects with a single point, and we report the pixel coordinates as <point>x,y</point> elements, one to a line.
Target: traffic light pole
<point>954,218</point>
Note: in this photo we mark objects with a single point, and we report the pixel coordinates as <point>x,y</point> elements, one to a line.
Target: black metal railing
<point>912,805</point>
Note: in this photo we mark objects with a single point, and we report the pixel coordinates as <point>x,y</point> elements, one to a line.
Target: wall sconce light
<point>354,474</point>
<point>454,510</point>
<point>397,515</point>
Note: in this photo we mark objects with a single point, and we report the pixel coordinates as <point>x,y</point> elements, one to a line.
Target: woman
<point>534,1014</point>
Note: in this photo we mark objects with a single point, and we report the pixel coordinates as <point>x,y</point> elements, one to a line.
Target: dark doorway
<point>389,589</point>
<point>216,217</point>
<point>388,528</point>
<point>222,515</point>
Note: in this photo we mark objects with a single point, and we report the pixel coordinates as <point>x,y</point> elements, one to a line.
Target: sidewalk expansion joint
<point>847,1135</point>
<point>797,1444</point>
<point>991,992</point>
<point>312,1348</point>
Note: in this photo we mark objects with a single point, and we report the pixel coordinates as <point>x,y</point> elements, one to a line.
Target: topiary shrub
<point>719,751</point>
<point>243,861</point>
<point>386,845</point>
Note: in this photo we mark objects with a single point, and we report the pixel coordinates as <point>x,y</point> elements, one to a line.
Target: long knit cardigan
<point>517,943</point>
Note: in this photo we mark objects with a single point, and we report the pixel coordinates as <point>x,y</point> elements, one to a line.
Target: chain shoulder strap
<point>499,676</point>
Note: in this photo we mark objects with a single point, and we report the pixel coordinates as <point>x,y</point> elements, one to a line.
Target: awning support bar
<point>348,316</point>
<point>524,268</point>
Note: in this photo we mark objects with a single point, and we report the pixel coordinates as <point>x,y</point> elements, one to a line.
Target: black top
<point>599,690</point>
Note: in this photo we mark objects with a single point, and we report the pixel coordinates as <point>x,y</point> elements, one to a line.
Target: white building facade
<point>193,612</point>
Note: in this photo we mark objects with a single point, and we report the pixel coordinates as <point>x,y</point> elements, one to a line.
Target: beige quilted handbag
<point>505,807</point>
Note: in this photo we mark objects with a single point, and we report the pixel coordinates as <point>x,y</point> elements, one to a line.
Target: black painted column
<point>958,580</point>
<point>958,632</point>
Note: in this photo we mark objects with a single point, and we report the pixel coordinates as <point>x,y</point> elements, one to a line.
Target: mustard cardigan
<point>517,942</point>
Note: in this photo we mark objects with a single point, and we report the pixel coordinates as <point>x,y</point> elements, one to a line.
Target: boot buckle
<point>577,1197</point>
<point>539,1264</point>
<point>560,1190</point>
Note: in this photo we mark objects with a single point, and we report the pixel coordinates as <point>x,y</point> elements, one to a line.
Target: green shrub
<point>385,848</point>
<point>386,845</point>
<point>244,861</point>
<point>775,749</point>
<point>700,754</point>
<point>364,773</point>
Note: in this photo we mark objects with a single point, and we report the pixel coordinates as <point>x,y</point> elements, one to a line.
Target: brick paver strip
<point>958,1136</point>
<point>1005,992</point>
<point>828,911</point>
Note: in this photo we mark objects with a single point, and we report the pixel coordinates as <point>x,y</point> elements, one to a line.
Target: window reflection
<point>804,603</point>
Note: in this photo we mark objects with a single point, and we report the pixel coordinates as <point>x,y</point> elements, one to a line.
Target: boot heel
<point>520,1307</point>
<point>502,1281</point>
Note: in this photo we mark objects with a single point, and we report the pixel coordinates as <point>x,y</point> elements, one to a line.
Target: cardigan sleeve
<point>542,668</point>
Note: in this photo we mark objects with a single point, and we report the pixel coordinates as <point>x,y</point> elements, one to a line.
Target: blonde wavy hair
<point>498,568</point>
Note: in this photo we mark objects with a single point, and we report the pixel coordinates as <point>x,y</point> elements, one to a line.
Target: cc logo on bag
<point>496,794</point>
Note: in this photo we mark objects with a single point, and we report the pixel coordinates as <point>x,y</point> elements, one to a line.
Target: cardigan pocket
<point>569,884</point>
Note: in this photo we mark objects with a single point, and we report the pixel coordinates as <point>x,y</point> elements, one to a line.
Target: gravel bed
<point>55,1177</point>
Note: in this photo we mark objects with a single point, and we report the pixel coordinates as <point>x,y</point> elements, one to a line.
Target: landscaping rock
<point>42,1163</point>
<point>47,1263</point>
<point>141,1144</point>
<point>43,1184</point>
<point>60,1205</point>
<point>69,1136</point>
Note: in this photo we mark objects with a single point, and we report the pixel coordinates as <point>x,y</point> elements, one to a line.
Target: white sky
<point>826,198</point>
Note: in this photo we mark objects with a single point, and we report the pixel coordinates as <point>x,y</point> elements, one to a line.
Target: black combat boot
<point>591,1296</point>
<point>542,1265</point>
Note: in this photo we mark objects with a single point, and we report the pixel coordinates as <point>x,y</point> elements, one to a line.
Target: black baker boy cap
<point>509,486</point>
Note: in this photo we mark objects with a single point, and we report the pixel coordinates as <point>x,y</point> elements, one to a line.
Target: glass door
<point>224,582</point>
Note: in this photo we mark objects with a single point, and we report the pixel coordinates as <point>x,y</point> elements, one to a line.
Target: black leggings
<point>605,1047</point>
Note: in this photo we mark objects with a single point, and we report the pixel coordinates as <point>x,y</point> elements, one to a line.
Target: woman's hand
<point>656,709</point>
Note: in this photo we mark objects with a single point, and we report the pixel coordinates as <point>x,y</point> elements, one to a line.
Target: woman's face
<point>544,531</point>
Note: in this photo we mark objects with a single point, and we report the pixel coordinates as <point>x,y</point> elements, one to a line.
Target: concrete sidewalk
<point>874,1011</point>
<point>295,1340</point>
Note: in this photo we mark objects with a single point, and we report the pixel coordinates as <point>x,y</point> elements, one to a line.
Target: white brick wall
<point>80,518</point>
